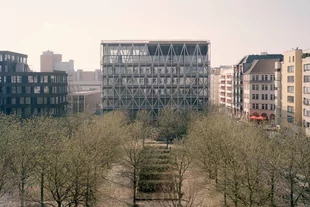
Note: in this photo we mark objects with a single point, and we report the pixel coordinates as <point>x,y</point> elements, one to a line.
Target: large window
<point>264,87</point>
<point>307,67</point>
<point>306,113</point>
<point>290,69</point>
<point>290,89</point>
<point>264,77</point>
<point>290,99</point>
<point>255,77</point>
<point>307,78</point>
<point>264,96</point>
<point>265,106</point>
<point>290,79</point>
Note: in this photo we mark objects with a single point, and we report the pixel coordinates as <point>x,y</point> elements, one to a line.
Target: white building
<point>226,87</point>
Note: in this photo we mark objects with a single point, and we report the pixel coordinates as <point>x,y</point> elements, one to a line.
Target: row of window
<point>263,106</point>
<point>153,70</point>
<point>307,67</point>
<point>263,97</point>
<point>264,87</point>
<point>34,100</point>
<point>142,81</point>
<point>263,77</point>
<point>7,57</point>
<point>33,89</point>
<point>33,79</point>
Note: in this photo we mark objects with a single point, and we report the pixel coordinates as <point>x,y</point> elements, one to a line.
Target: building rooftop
<point>251,58</point>
<point>154,41</point>
<point>12,53</point>
<point>263,66</point>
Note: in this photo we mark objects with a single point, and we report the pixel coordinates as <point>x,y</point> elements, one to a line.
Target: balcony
<point>222,99</point>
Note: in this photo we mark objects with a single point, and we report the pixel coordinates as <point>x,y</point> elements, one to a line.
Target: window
<point>37,89</point>
<point>290,99</point>
<point>306,113</point>
<point>290,109</point>
<point>254,106</point>
<point>255,96</point>
<point>264,87</point>
<point>307,67</point>
<point>272,106</point>
<point>290,79</point>
<point>290,89</point>
<point>306,101</point>
<point>265,106</point>
<point>272,87</point>
<point>264,77</point>
<point>307,78</point>
<point>272,77</point>
<point>290,69</point>
<point>272,97</point>
<point>290,119</point>
<point>306,90</point>
<point>264,96</point>
<point>293,58</point>
<point>255,77</point>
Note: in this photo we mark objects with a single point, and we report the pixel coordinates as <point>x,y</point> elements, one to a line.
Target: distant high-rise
<point>153,74</point>
<point>51,62</point>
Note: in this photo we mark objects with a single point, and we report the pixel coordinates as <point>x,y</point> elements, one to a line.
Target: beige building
<point>259,89</point>
<point>50,62</point>
<point>86,80</point>
<point>215,85</point>
<point>226,87</point>
<point>306,90</point>
<point>84,102</point>
<point>291,89</point>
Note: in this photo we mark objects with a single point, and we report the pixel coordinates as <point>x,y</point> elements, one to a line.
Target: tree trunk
<point>134,187</point>
<point>272,204</point>
<point>180,194</point>
<point>292,191</point>
<point>22,188</point>
<point>42,189</point>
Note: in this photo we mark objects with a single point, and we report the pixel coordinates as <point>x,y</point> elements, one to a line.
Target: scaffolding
<point>149,75</point>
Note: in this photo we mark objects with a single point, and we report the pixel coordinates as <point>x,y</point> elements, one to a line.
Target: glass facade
<point>151,75</point>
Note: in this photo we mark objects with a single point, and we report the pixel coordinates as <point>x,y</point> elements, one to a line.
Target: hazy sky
<point>75,28</point>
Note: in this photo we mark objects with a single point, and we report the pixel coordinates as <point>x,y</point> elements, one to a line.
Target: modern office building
<point>239,69</point>
<point>153,74</point>
<point>226,88</point>
<point>27,93</point>
<point>259,89</point>
<point>306,90</point>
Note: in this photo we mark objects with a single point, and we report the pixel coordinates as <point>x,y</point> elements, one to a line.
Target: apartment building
<point>259,89</point>
<point>226,87</point>
<point>239,69</point>
<point>306,90</point>
<point>153,74</point>
<point>291,89</point>
<point>26,93</point>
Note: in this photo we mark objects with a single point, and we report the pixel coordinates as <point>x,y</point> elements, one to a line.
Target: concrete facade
<point>291,84</point>
<point>306,90</point>
<point>226,87</point>
<point>85,102</point>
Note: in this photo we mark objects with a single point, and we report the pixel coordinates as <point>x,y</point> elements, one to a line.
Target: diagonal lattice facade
<point>152,74</point>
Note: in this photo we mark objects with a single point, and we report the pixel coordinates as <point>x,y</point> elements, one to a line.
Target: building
<point>50,62</point>
<point>85,102</point>
<point>226,88</point>
<point>215,86</point>
<point>306,90</point>
<point>291,89</point>
<point>241,67</point>
<point>86,80</point>
<point>259,89</point>
<point>27,93</point>
<point>153,74</point>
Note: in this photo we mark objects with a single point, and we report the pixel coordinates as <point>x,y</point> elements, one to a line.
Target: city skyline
<point>75,29</point>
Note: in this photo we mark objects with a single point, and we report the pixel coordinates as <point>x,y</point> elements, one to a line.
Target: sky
<point>75,29</point>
